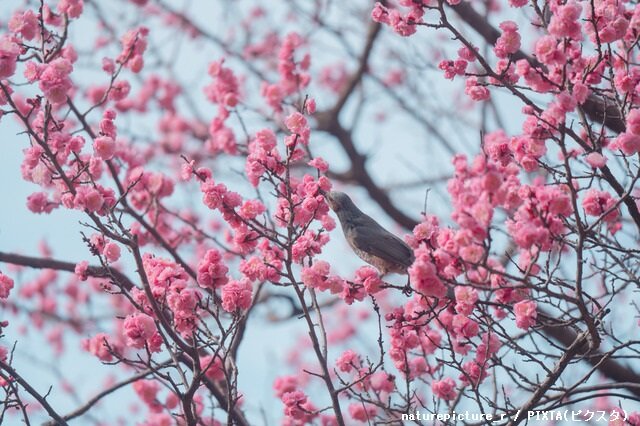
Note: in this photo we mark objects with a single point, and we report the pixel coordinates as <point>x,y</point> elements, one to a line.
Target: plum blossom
<point>212,272</point>
<point>6,284</point>
<point>509,41</point>
<point>526,313</point>
<point>348,361</point>
<point>9,52</point>
<point>237,295</point>
<point>444,389</point>
<point>138,328</point>
<point>54,80</point>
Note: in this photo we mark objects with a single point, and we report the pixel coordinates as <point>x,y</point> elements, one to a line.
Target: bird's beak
<point>332,203</point>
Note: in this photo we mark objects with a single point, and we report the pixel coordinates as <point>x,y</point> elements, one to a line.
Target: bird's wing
<point>381,243</point>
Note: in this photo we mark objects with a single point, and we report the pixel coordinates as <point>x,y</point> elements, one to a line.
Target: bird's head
<point>338,201</point>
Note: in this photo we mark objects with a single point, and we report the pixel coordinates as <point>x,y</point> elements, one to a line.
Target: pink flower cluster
<point>539,220</point>
<point>297,124</point>
<point>444,389</point>
<point>363,412</point>
<point>6,284</point>
<point>293,73</point>
<point>237,295</point>
<point>54,79</point>
<point>317,277</point>
<point>298,407</point>
<point>224,91</point>
<point>608,21</point>
<point>212,272</point>
<point>71,8</point>
<point>140,330</point>
<point>169,285</point>
<point>134,44</point>
<point>9,52</point>
<point>509,41</point>
<point>101,346</point>
<point>597,203</point>
<point>24,24</point>
<point>104,145</point>
<point>265,267</point>
<point>404,25</point>
<point>212,367</point>
<point>629,141</point>
<point>263,156</point>
<point>565,20</point>
<point>526,312</point>
<point>148,391</point>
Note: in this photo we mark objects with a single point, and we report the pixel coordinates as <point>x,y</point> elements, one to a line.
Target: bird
<point>368,239</point>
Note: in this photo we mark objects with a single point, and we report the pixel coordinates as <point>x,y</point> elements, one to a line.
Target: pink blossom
<point>39,203</point>
<point>88,198</point>
<point>212,272</point>
<point>237,295</point>
<point>565,21</point>
<point>213,368</point>
<point>134,44</point>
<point>99,346</point>
<point>138,328</point>
<point>310,106</point>
<point>25,24</point>
<point>475,90</point>
<point>147,390</point>
<point>319,164</point>
<point>526,313</point>
<point>369,278</point>
<point>251,209</point>
<point>9,52</point>
<point>596,203</point>
<point>54,80</point>
<point>348,361</point>
<point>464,327</point>
<point>352,292</point>
<point>548,51</point>
<point>81,270</point>
<point>111,252</point>
<point>453,68</point>
<point>518,3</point>
<point>383,382</point>
<point>509,41</point>
<point>224,90</point>
<point>473,373</point>
<point>363,412</point>
<point>633,121</point>
<point>6,284</point>
<point>424,279</point>
<point>628,143</point>
<point>596,160</point>
<point>607,19</point>
<point>380,13</point>
<point>466,297</point>
<point>444,389</point>
<point>316,275</point>
<point>489,346</point>
<point>294,404</point>
<point>296,123</point>
<point>72,8</point>
<point>285,384</point>
<point>213,194</point>
<point>104,147</point>
<point>308,245</point>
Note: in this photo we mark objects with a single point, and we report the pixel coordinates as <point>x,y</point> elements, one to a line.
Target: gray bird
<point>368,239</point>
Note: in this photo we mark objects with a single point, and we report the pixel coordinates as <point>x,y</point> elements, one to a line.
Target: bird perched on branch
<point>368,239</point>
